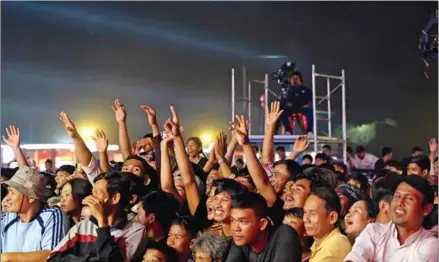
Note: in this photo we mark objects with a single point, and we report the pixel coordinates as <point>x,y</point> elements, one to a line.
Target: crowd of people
<point>167,201</point>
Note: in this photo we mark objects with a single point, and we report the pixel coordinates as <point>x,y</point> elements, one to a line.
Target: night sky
<point>79,57</point>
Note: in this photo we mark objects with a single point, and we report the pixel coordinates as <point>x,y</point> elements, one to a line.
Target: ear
<point>115,198</point>
<point>147,180</point>
<point>427,209</point>
<point>383,205</point>
<point>134,199</point>
<point>333,217</point>
<point>263,223</point>
<point>151,219</point>
<point>425,172</point>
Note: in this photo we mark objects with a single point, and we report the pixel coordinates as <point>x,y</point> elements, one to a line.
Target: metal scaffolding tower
<point>318,115</point>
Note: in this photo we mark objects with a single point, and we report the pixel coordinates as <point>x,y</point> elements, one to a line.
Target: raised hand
<point>432,145</point>
<point>70,127</point>
<point>97,209</point>
<point>241,130</point>
<point>220,145</point>
<point>301,144</point>
<point>151,113</point>
<point>272,116</point>
<point>119,111</point>
<point>101,141</point>
<point>13,139</point>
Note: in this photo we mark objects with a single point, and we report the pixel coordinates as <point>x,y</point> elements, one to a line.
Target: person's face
<point>320,161</point>
<point>338,168</point>
<point>213,175</point>
<point>14,201</point>
<point>326,151</point>
<point>222,207</point>
<point>68,203</point>
<point>179,239</point>
<point>417,153</point>
<point>142,217</point>
<point>48,165</point>
<point>295,80</point>
<point>146,144</point>
<point>357,219</point>
<point>345,204</point>
<point>192,148</point>
<point>239,164</point>
<point>245,182</point>
<point>281,154</point>
<point>355,183</point>
<point>406,205</point>
<point>61,179</point>
<point>100,191</point>
<point>287,195</point>
<point>318,222</point>
<point>246,226</point>
<point>178,182</point>
<point>133,166</point>
<point>210,203</point>
<point>296,223</point>
<point>414,169</point>
<point>361,155</point>
<point>200,256</point>
<point>85,212</point>
<point>279,177</point>
<point>306,161</point>
<point>301,191</point>
<point>154,255</point>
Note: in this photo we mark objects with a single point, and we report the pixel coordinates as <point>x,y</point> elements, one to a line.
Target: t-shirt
<point>295,97</point>
<point>43,232</point>
<point>283,246</point>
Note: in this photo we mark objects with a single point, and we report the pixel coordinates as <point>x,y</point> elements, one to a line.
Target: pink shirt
<point>92,170</point>
<point>379,243</point>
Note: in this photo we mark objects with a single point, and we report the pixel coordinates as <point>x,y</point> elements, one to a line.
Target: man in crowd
<point>108,235</point>
<point>252,240</point>
<point>49,166</point>
<point>362,159</point>
<point>280,150</point>
<point>404,239</point>
<point>29,230</point>
<point>386,155</point>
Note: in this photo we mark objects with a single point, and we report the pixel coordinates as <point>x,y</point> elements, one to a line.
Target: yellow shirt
<point>334,248</point>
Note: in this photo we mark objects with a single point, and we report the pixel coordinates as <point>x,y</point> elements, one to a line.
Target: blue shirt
<point>41,233</point>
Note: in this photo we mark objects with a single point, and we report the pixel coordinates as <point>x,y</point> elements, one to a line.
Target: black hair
<point>332,201</point>
<point>342,177</point>
<point>431,219</point>
<point>149,135</point>
<point>247,176</point>
<point>321,156</point>
<point>148,170</point>
<point>163,205</point>
<point>308,156</point>
<point>327,166</point>
<point>280,148</point>
<point>240,161</point>
<point>327,147</point>
<point>360,149</point>
<point>295,211</point>
<point>422,161</point>
<point>252,201</point>
<point>188,223</point>
<point>435,159</point>
<point>169,252</point>
<point>297,73</point>
<point>306,166</point>
<point>81,188</point>
<point>321,176</point>
<point>386,150</point>
<point>137,186</point>
<point>50,185</point>
<point>197,141</point>
<point>371,206</point>
<point>343,166</point>
<point>49,161</point>
<point>364,181</point>
<point>8,173</point>
<point>349,150</point>
<point>416,149</point>
<point>66,168</point>
<point>292,166</point>
<point>385,187</point>
<point>396,164</point>
<point>233,188</point>
<point>117,183</point>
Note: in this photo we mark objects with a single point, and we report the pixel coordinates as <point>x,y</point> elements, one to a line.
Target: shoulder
<point>286,233</point>
<point>134,227</point>
<point>54,213</point>
<point>7,219</point>
<point>428,238</point>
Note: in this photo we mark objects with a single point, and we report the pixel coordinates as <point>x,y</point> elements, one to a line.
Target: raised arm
<point>299,147</point>
<point>166,178</point>
<point>83,154</point>
<point>121,118</point>
<point>432,143</point>
<point>101,146</point>
<point>210,161</point>
<point>220,151</point>
<point>13,141</point>
<point>231,147</point>
<point>255,169</point>
<point>184,165</point>
<point>271,117</point>
<point>152,119</point>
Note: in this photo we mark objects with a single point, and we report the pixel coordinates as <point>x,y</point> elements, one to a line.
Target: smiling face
<point>280,177</point>
<point>357,218</point>
<point>222,207</point>
<point>193,149</point>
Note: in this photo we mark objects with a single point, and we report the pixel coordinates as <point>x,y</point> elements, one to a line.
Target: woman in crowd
<point>72,194</point>
<point>212,248</point>
<point>360,214</point>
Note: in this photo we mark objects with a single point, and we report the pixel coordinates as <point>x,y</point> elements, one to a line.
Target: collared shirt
<point>379,243</point>
<point>41,233</point>
<point>333,248</point>
<point>368,162</point>
<point>124,239</point>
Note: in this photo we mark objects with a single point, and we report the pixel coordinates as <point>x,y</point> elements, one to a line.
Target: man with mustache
<point>403,239</point>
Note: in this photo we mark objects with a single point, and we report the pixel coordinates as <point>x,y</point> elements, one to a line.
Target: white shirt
<point>368,162</point>
<point>379,243</point>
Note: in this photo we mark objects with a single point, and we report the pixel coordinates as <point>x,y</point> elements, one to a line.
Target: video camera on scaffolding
<point>283,75</point>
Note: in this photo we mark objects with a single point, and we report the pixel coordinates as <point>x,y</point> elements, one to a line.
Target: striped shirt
<point>43,232</point>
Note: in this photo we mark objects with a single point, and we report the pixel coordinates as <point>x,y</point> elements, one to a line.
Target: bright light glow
<point>206,138</point>
<point>86,132</point>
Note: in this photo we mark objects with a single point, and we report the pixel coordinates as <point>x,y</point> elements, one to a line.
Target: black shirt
<point>295,97</point>
<point>379,165</point>
<point>283,246</point>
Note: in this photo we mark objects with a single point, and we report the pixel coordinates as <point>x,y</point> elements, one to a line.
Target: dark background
<point>80,56</point>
